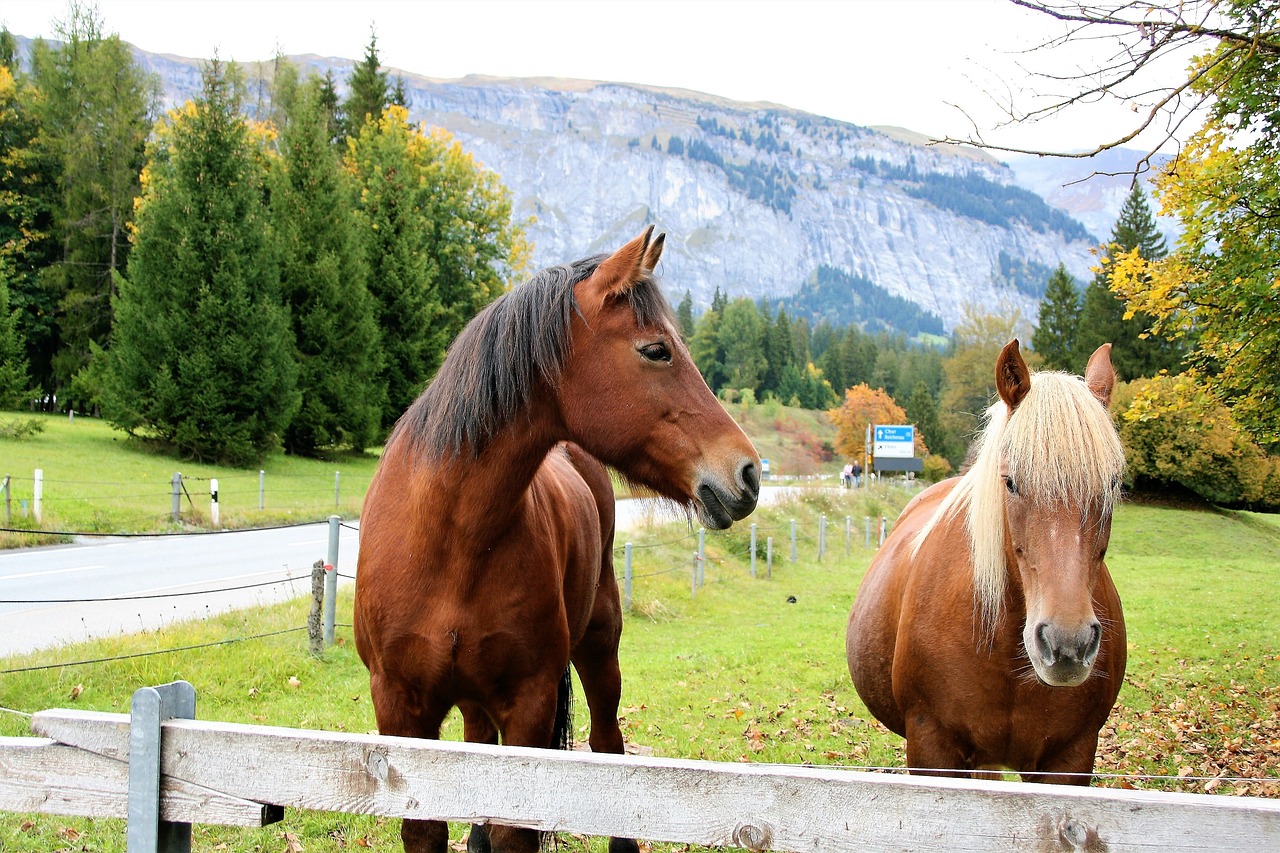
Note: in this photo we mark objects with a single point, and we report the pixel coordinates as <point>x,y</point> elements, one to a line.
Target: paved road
<point>268,566</point>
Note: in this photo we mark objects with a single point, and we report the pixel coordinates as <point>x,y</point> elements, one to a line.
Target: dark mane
<point>495,363</point>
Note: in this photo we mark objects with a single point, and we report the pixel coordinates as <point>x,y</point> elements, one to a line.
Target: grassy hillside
<point>97,479</point>
<point>748,669</point>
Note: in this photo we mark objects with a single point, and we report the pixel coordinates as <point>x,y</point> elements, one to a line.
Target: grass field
<point>739,672</point>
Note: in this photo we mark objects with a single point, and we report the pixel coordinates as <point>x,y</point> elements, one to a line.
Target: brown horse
<point>486,562</point>
<point>987,631</point>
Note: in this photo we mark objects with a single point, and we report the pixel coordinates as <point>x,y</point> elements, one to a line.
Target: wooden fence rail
<point>224,773</point>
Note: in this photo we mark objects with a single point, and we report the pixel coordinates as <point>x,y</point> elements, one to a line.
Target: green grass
<point>737,672</point>
<point>97,479</point>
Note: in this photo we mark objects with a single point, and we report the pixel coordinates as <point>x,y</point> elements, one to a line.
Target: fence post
<point>37,494</point>
<point>315,630</point>
<point>866,523</point>
<point>331,580</point>
<point>882,523</point>
<point>337,483</point>
<point>177,496</point>
<point>702,556</point>
<point>793,540</point>
<point>262,489</point>
<point>753,549</point>
<point>8,507</point>
<point>822,536</point>
<point>848,533</point>
<point>151,706</point>
<point>768,557</point>
<point>214,515</point>
<point>626,577</point>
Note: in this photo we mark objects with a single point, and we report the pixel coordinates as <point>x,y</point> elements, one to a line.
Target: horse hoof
<point>478,840</point>
<point>623,845</point>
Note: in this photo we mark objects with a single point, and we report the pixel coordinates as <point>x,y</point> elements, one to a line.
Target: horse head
<point>1060,464</point>
<point>631,395</point>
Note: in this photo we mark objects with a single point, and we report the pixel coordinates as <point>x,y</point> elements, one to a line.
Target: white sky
<point>910,63</point>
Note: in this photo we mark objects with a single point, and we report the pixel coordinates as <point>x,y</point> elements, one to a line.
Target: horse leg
<point>526,719</point>
<point>398,712</point>
<point>596,661</point>
<point>1071,765</point>
<point>933,751</point>
<point>477,727</point>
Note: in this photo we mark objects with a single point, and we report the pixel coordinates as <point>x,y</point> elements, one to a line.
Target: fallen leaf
<point>76,691</point>
<point>294,682</point>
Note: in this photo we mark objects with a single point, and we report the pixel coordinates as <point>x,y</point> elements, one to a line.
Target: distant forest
<point>842,299</point>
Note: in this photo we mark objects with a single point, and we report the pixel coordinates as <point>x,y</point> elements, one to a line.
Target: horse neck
<point>478,495</point>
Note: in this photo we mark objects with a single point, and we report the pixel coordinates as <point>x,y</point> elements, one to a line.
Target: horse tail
<point>562,735</point>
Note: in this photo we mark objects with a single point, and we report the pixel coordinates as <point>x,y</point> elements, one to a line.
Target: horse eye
<point>1010,485</point>
<point>656,352</point>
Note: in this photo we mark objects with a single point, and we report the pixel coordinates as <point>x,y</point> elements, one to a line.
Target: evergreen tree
<point>830,361</point>
<point>779,353</point>
<point>14,383</point>
<point>332,109</point>
<point>1055,334</point>
<point>1102,319</point>
<point>440,244</point>
<point>369,91</point>
<point>857,356</point>
<point>202,354</point>
<point>719,301</point>
<point>706,351</point>
<point>684,314</point>
<point>323,276</point>
<point>96,108</point>
<point>399,94</point>
<point>922,411</point>
<point>27,188</point>
<point>742,335</point>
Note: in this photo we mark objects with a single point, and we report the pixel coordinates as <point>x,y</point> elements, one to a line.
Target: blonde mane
<point>1059,447</point>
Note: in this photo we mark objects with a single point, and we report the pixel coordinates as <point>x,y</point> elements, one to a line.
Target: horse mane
<point>1059,447</point>
<point>493,367</point>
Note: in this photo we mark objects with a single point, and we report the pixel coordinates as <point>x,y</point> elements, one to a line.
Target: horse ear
<point>1013,380</point>
<point>1100,376</point>
<point>618,272</point>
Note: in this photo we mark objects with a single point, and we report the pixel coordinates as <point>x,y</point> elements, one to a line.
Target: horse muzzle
<point>719,505</point>
<point>1063,657</point>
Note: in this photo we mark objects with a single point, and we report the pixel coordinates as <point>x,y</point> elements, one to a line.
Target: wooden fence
<point>231,774</point>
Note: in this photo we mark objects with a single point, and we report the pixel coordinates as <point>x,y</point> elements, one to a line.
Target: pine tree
<point>202,354</point>
<point>369,91</point>
<point>742,334</point>
<point>1055,334</point>
<point>96,109</point>
<point>1102,320</point>
<point>323,276</point>
<point>15,385</point>
<point>922,411</point>
<point>706,350</point>
<point>779,353</point>
<point>684,315</point>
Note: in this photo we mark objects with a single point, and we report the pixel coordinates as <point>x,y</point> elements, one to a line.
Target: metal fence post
<point>262,489</point>
<point>8,507</point>
<point>151,706</point>
<point>331,580</point>
<point>882,524</point>
<point>37,495</point>
<point>626,577</point>
<point>753,549</point>
<point>848,533</point>
<point>177,496</point>
<point>768,557</point>
<point>866,523</point>
<point>822,536</point>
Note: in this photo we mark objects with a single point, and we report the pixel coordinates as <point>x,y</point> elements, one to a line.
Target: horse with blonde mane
<point>987,630</point>
<point>486,540</point>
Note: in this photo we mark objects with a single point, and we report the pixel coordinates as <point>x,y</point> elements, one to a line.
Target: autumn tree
<point>864,407</point>
<point>970,369</point>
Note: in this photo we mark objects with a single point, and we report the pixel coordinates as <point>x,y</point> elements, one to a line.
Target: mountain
<point>757,199</point>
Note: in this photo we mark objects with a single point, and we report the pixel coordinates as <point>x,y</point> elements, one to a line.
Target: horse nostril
<point>1095,641</point>
<point>1045,650</point>
<point>750,478</point>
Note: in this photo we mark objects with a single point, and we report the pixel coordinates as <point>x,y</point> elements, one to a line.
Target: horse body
<point>1019,668</point>
<point>486,562</point>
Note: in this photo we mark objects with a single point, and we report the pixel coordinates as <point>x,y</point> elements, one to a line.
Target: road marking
<point>52,572</point>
